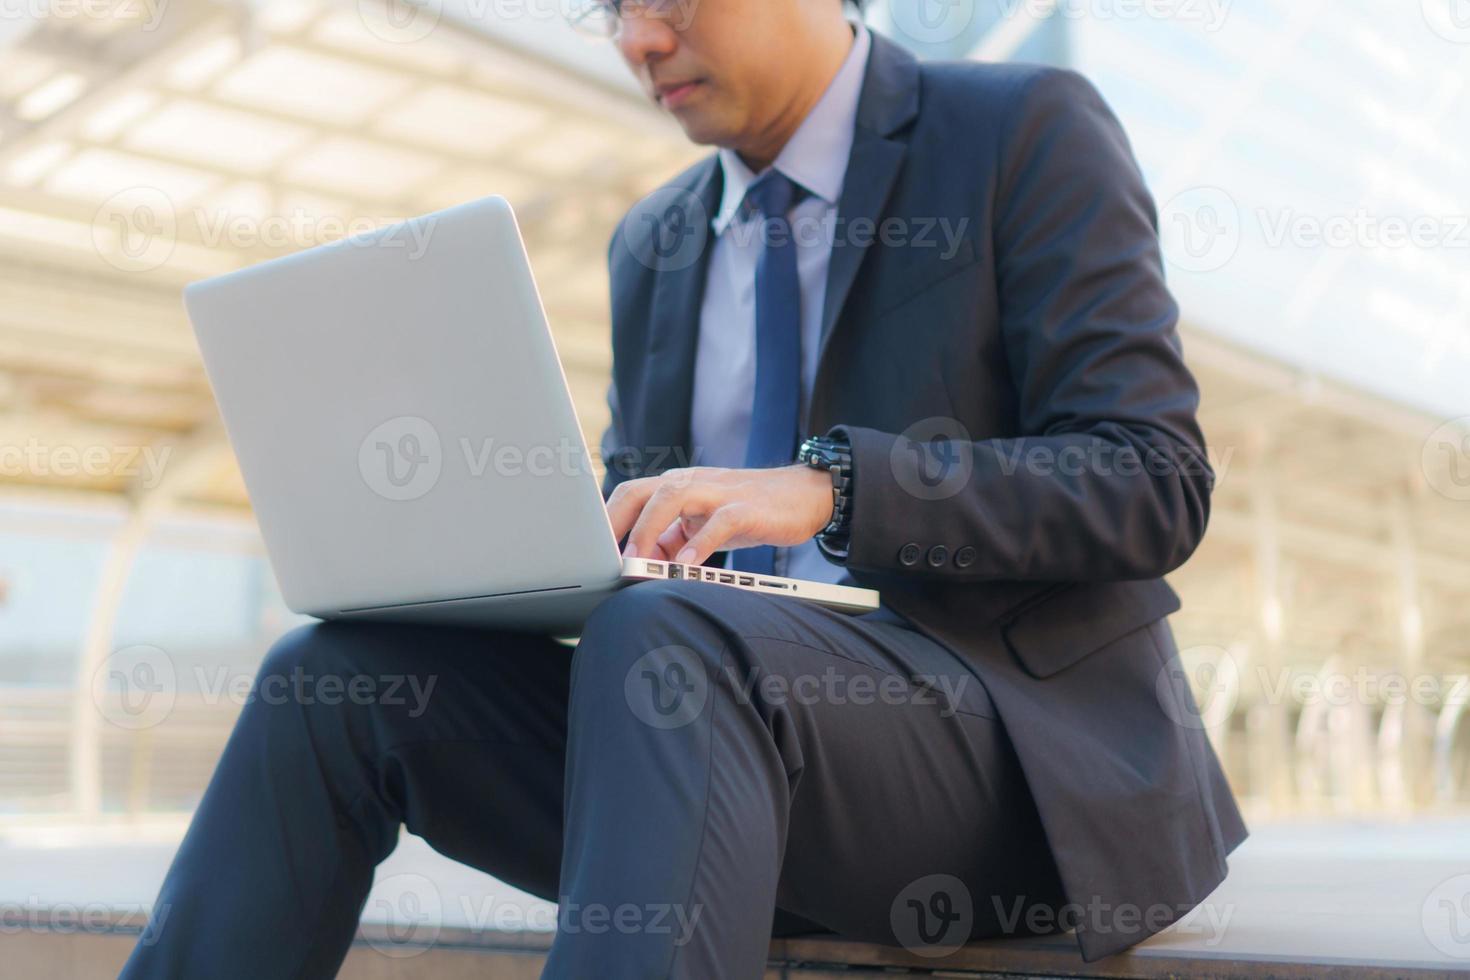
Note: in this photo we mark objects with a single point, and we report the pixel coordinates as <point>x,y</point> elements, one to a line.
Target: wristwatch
<point>834,456</point>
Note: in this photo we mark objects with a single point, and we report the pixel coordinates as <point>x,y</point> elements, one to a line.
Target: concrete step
<point>490,955</point>
<point>1363,901</point>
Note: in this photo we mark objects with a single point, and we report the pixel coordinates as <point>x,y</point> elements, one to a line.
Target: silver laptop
<point>407,437</point>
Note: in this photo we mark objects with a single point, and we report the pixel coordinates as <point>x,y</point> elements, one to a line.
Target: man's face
<point>720,67</point>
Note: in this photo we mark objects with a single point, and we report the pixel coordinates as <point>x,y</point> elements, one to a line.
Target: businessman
<point>906,327</point>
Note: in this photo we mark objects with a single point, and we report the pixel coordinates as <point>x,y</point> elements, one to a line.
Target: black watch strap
<point>834,456</point>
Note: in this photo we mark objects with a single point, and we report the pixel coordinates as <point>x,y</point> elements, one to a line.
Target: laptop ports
<point>676,571</point>
<point>727,579</point>
<point>747,580</point>
<point>774,585</point>
<point>654,567</point>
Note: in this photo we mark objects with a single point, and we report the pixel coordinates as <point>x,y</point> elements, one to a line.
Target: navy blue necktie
<point>776,402</point>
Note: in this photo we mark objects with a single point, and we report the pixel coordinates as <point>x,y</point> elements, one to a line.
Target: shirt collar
<point>816,155</point>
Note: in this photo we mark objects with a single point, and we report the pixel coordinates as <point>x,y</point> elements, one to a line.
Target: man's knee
<point>659,655</point>
<point>305,699</point>
<point>310,651</point>
<point>648,602</point>
<point>324,671</point>
<point>638,620</point>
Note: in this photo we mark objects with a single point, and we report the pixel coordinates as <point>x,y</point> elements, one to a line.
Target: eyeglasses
<point>604,18</point>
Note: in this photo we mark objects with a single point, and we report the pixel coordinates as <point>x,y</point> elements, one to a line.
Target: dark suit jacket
<point>1034,541</point>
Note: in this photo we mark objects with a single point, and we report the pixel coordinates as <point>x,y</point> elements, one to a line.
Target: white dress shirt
<point>724,366</point>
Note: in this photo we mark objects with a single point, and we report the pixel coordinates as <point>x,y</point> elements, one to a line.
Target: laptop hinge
<point>467,598</point>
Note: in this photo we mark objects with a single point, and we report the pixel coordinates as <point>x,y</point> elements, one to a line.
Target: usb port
<point>727,579</point>
<point>656,567</point>
<point>747,580</point>
<point>676,571</point>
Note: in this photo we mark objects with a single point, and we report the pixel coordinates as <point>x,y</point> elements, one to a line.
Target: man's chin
<point>704,131</point>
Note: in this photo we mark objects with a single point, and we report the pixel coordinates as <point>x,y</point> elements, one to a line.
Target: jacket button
<point>965,557</point>
<point>910,554</point>
<point>938,555</point>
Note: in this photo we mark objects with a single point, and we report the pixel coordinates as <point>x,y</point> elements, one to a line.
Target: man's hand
<point>686,515</point>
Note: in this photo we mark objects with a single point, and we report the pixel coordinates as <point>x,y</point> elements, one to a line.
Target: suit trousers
<point>708,768</point>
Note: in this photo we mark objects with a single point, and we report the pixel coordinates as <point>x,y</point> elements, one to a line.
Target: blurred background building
<point>1308,160</point>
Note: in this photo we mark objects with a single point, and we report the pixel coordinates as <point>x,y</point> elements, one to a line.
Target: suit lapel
<point>889,102</point>
<point>674,329</point>
<point>871,171</point>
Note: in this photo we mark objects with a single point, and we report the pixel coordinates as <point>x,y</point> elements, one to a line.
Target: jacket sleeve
<point>1106,476</point>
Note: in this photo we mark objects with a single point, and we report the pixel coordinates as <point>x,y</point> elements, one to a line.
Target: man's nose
<point>646,39</point>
